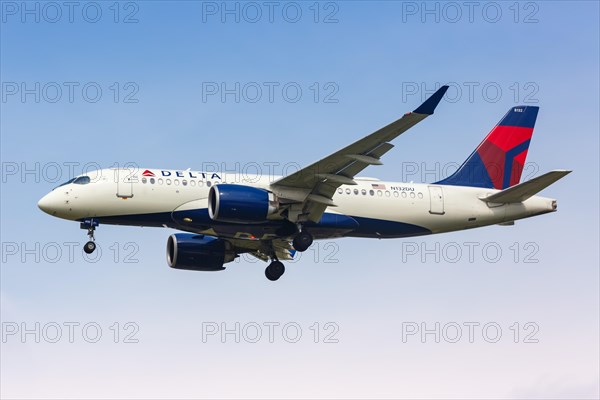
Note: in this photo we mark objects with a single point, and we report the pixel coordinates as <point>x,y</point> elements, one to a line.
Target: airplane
<point>272,218</point>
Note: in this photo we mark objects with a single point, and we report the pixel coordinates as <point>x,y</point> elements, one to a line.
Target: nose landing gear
<point>90,225</point>
<point>89,247</point>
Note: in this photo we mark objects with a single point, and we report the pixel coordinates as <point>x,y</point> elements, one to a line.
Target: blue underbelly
<point>330,225</point>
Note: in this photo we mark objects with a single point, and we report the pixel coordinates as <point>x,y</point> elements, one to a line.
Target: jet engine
<point>241,204</point>
<point>197,252</point>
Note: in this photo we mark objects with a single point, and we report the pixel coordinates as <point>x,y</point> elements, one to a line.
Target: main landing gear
<point>302,241</point>
<point>274,270</point>
<point>90,225</point>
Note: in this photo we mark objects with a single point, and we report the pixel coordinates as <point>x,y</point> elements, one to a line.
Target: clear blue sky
<point>161,69</point>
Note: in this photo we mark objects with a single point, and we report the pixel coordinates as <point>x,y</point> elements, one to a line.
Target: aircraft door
<point>436,200</point>
<point>125,178</point>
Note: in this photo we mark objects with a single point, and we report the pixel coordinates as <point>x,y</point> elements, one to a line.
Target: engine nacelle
<point>197,252</point>
<point>241,204</point>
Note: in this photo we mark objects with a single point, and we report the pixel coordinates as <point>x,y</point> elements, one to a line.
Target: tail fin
<point>497,163</point>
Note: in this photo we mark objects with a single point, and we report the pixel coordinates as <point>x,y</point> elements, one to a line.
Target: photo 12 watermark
<point>270,12</point>
<point>270,92</point>
<point>470,12</point>
<point>69,92</point>
<point>68,252</point>
<point>423,171</point>
<point>56,172</point>
<point>70,12</point>
<point>320,252</point>
<point>470,332</point>
<point>270,332</point>
<point>70,332</point>
<point>491,252</point>
<point>474,91</point>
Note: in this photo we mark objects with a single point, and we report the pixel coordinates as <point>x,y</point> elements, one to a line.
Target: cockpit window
<point>66,183</point>
<point>82,180</point>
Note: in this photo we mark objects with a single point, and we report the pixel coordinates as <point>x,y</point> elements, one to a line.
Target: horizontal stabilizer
<point>523,191</point>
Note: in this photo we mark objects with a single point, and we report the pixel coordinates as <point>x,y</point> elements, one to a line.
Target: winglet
<point>431,103</point>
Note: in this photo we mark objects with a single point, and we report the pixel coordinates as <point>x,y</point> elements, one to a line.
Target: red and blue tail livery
<point>498,161</point>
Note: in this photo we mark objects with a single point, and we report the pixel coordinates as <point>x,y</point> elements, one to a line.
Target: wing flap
<point>262,249</point>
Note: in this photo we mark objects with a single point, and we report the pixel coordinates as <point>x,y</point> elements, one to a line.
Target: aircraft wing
<point>315,185</point>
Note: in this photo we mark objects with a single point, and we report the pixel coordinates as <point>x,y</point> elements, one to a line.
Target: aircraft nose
<point>47,205</point>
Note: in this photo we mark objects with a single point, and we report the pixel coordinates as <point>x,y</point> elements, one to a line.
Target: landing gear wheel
<point>302,241</point>
<point>274,270</point>
<point>90,225</point>
<point>89,247</point>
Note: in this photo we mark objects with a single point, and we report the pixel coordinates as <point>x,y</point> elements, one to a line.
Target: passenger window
<point>208,183</point>
<point>364,192</point>
<point>355,191</point>
<point>184,182</point>
<point>160,181</point>
<point>404,195</point>
<point>395,194</point>
<point>348,191</point>
<point>152,180</point>
<point>387,193</point>
<point>412,195</point>
<point>192,183</point>
<point>144,180</point>
<point>371,192</point>
<point>340,190</point>
<point>420,195</point>
<point>176,182</point>
<point>168,181</point>
<point>379,193</point>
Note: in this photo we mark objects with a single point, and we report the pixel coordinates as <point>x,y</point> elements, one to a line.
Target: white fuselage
<point>127,197</point>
